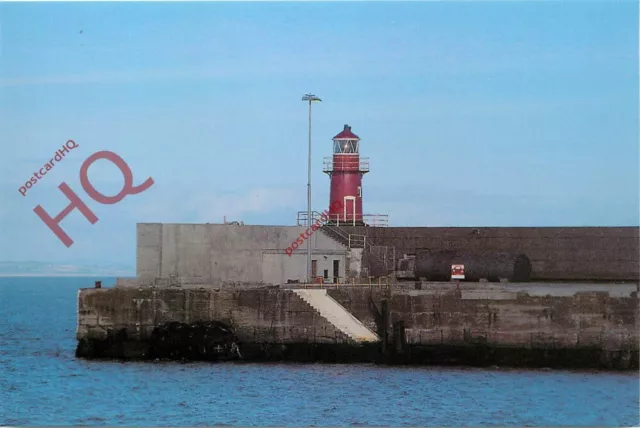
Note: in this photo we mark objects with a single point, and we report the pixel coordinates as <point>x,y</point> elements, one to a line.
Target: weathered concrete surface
<point>223,253</point>
<point>496,318</point>
<point>260,316</point>
<point>557,253</point>
<point>337,315</point>
<point>595,325</point>
<point>126,318</point>
<point>513,324</point>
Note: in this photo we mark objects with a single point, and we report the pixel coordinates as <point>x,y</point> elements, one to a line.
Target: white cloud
<point>201,206</point>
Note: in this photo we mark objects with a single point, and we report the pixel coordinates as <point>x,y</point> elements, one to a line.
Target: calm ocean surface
<point>42,383</point>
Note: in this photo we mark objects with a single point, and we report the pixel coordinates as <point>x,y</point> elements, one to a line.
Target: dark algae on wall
<point>471,326</point>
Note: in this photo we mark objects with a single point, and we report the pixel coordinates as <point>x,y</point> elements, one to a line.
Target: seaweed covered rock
<point>209,341</point>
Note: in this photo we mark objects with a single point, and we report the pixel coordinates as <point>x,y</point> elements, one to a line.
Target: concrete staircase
<point>384,256</point>
<point>337,234</point>
<point>380,259</point>
<point>337,315</point>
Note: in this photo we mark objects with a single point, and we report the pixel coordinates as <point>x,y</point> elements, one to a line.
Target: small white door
<point>346,209</point>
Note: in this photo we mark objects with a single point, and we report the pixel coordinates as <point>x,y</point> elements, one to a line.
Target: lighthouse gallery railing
<point>345,163</point>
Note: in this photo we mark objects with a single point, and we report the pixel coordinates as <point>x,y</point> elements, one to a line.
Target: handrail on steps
<point>352,240</point>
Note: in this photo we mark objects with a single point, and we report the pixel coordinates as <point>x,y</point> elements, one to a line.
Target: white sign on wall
<point>457,271</point>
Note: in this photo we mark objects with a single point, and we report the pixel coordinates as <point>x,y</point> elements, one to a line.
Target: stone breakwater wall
<point>511,326</point>
<point>556,253</point>
<point>533,325</point>
<point>119,322</point>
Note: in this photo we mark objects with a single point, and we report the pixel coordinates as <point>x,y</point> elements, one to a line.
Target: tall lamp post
<point>310,98</point>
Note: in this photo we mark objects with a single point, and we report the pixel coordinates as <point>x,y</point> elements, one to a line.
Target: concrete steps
<point>337,315</point>
<point>336,234</point>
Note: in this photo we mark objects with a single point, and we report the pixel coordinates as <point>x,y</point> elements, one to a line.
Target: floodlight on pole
<point>310,98</point>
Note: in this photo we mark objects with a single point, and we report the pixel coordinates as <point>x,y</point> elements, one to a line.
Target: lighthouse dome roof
<point>346,134</point>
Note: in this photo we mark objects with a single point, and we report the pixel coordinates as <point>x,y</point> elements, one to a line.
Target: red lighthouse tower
<point>346,169</point>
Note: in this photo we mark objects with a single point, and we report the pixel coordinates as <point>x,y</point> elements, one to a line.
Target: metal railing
<point>337,231</point>
<point>371,220</point>
<point>301,220</point>
<point>357,241</point>
<point>376,220</point>
<point>383,253</point>
<point>345,163</point>
<point>339,219</point>
<point>379,282</point>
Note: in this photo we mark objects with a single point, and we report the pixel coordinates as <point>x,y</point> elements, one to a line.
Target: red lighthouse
<point>346,169</point>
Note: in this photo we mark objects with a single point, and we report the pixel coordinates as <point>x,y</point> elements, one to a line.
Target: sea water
<point>42,383</point>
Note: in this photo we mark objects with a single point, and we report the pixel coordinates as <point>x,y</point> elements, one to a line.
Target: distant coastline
<point>38,269</point>
<point>68,275</point>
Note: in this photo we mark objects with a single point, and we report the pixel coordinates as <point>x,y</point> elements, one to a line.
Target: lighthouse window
<point>348,146</point>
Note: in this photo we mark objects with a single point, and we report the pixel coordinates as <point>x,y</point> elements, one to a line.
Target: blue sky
<point>472,113</point>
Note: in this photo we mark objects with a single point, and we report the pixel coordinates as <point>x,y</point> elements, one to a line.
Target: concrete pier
<point>526,325</point>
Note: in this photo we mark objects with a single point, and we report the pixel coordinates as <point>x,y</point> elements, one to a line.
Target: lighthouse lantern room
<point>346,168</point>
